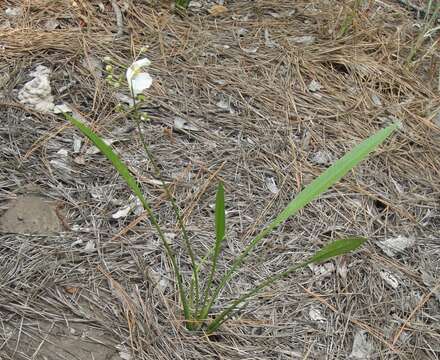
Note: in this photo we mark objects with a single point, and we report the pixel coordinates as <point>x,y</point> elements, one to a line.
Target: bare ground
<point>102,288</point>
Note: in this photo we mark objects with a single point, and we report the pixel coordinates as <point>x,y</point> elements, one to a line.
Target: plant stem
<point>194,288</point>
<point>134,186</point>
<point>429,22</point>
<point>220,228</point>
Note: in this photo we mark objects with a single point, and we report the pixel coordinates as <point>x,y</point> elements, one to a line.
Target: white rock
<point>62,165</point>
<point>393,246</point>
<point>315,315</point>
<point>306,40</point>
<point>170,236</point>
<point>251,50</point>
<point>314,86</point>
<point>124,353</point>
<point>63,152</point>
<point>195,4</point>
<point>61,108</point>
<point>376,100</point>
<point>77,242</point>
<point>136,205</point>
<point>271,185</point>
<point>13,12</point>
<point>362,349</point>
<point>322,270</point>
<point>40,70</point>
<point>90,246</point>
<point>182,124</point>
<point>322,158</point>
<point>225,105</point>
<point>242,31</point>
<point>123,212</point>
<point>51,24</point>
<point>77,141</point>
<point>220,81</point>
<point>389,278</point>
<point>37,92</point>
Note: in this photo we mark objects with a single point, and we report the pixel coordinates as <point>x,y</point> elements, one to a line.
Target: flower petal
<point>136,67</point>
<point>140,82</point>
<point>141,63</point>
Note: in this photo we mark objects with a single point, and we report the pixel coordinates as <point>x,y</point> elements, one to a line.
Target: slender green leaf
<point>220,221</point>
<point>332,175</point>
<point>220,229</point>
<point>335,248</point>
<point>133,185</point>
<point>182,4</point>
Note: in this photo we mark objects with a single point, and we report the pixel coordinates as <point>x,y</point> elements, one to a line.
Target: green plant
<point>182,4</point>
<point>431,16</point>
<point>197,299</point>
<point>348,21</point>
<point>197,302</point>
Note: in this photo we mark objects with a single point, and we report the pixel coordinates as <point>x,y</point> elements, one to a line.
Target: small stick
<point>130,226</point>
<point>416,309</point>
<point>119,22</point>
<point>61,217</point>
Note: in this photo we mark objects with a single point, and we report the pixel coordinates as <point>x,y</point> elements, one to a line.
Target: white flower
<point>138,81</point>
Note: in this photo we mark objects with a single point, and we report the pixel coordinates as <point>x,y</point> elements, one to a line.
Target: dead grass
<point>272,128</point>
